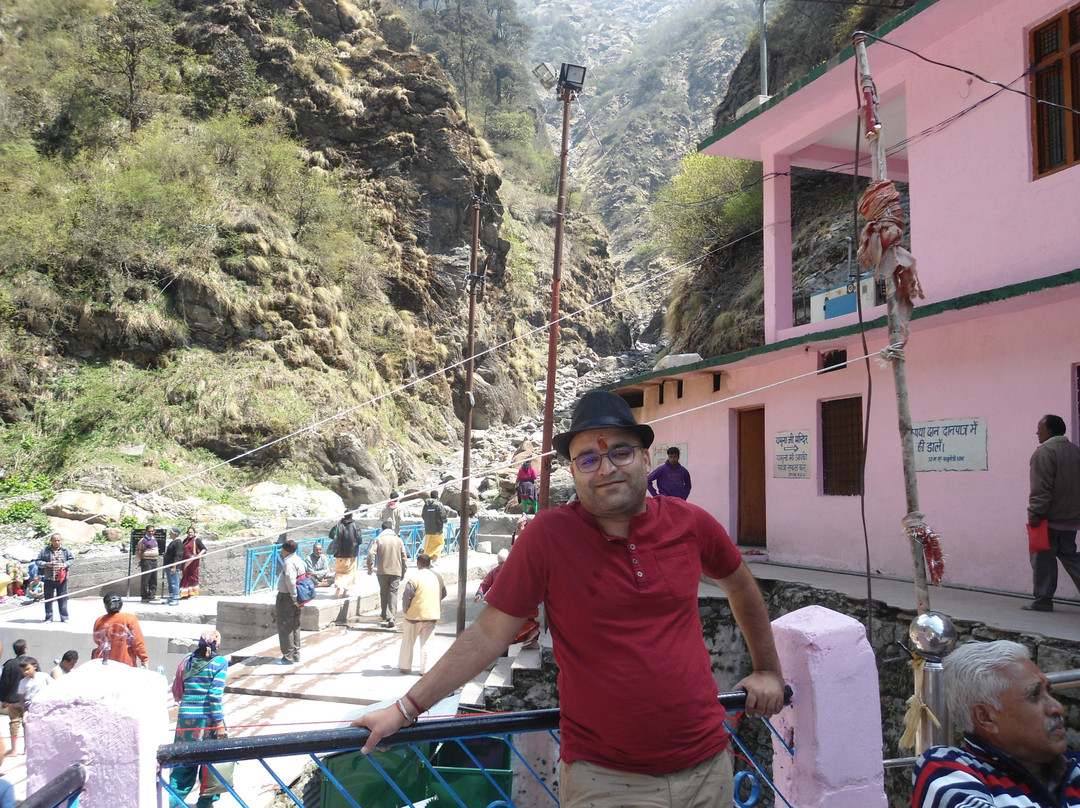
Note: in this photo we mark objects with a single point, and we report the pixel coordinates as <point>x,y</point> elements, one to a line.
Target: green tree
<point>129,41</point>
<point>711,201</point>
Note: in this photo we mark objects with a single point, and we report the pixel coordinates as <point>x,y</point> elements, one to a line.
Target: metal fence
<point>505,759</point>
<point>262,565</point>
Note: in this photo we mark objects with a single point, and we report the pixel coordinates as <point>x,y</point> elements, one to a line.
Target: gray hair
<point>974,674</point>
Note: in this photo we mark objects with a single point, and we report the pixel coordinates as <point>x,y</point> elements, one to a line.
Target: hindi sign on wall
<point>791,454</point>
<point>957,444</point>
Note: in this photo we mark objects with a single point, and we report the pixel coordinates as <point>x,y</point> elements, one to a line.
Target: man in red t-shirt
<point>618,573</point>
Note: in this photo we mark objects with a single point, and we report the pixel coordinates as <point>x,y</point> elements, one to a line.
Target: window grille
<point>841,447</point>
<point>1055,78</point>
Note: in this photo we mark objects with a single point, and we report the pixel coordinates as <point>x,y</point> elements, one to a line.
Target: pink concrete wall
<point>1010,368</point>
<point>978,220</point>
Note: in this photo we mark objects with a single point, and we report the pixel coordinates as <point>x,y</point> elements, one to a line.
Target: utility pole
<point>466,456</point>
<point>566,95</point>
<point>764,60</point>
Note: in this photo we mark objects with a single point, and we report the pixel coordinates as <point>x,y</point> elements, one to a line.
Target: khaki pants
<point>411,632</point>
<point>15,718</point>
<point>709,784</point>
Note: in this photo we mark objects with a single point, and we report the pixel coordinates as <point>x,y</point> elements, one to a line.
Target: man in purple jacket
<point>672,479</point>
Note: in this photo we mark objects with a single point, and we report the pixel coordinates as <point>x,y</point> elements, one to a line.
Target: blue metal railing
<point>262,565</point>
<point>61,792</point>
<point>481,760</point>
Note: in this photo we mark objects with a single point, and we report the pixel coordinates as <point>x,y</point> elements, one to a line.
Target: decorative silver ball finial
<point>932,634</point>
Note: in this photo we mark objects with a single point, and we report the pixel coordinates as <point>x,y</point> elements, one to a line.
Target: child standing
<point>32,683</point>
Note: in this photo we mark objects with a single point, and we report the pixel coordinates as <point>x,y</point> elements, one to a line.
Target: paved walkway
<point>995,609</point>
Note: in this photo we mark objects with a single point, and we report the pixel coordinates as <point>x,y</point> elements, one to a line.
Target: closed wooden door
<point>751,458</point>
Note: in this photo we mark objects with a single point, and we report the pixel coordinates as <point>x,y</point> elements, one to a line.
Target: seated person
<point>35,590</point>
<point>14,571</point>
<point>1014,736</point>
<point>319,566</point>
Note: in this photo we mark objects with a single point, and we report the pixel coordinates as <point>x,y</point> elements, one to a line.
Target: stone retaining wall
<point>221,572</point>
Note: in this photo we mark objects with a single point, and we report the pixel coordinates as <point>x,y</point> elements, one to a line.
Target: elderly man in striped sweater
<point>1014,736</point>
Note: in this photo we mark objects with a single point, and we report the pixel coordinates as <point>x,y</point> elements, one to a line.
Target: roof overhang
<point>814,122</point>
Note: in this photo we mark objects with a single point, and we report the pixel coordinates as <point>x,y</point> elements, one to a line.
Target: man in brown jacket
<point>387,558</point>
<point>1055,497</point>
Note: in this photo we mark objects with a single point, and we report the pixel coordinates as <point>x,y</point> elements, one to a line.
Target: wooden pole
<point>896,337</point>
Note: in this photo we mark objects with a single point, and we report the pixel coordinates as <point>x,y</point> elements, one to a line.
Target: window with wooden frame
<point>1055,78</point>
<point>841,447</point>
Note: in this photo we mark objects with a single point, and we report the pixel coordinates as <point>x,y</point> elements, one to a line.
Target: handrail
<point>1061,680</point>
<point>62,787</point>
<point>337,740</point>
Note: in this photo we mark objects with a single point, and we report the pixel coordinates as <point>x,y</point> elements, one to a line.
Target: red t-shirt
<point>636,689</point>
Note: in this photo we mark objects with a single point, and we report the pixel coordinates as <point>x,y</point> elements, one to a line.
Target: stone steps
<point>500,677</point>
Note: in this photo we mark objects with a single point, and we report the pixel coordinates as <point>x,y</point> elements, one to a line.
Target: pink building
<point>994,201</point>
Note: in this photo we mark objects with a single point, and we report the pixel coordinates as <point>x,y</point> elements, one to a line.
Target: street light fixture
<point>571,80</point>
<point>546,75</point>
<point>572,77</point>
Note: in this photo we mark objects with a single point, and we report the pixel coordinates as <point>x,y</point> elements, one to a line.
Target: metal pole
<point>764,60</point>
<point>933,691</point>
<point>896,337</point>
<point>466,455</point>
<point>553,324</point>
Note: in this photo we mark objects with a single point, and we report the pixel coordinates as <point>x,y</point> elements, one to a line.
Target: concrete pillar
<point>109,717</point>
<point>834,723</point>
<point>776,219</point>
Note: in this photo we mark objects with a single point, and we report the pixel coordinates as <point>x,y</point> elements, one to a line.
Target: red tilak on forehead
<point>600,442</point>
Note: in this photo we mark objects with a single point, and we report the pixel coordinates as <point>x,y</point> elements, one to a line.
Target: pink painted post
<point>109,717</point>
<point>834,722</point>
<point>776,238</point>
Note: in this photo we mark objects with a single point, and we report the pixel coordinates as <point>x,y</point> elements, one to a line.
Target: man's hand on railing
<point>764,693</point>
<point>381,723</point>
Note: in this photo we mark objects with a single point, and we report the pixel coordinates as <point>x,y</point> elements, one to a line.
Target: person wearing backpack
<point>434,515</point>
<point>345,541</point>
<point>287,606</point>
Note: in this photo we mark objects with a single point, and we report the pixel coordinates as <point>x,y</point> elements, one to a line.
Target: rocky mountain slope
<point>187,298</point>
<point>656,71</point>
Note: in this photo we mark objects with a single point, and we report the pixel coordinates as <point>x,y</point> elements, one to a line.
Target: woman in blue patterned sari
<point>201,715</point>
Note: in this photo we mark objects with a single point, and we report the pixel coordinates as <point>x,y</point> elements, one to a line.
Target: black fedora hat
<point>599,409</point>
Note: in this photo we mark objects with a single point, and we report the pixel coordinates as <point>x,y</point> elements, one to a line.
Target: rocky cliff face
<point>261,339</point>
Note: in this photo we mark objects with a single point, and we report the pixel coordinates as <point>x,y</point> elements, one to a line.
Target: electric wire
<point>869,377</point>
<point>967,72</point>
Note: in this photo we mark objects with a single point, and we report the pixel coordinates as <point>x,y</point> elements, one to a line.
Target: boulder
<point>71,531</point>
<point>95,508</point>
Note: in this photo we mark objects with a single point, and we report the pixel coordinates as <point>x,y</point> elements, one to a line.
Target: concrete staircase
<point>500,677</point>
